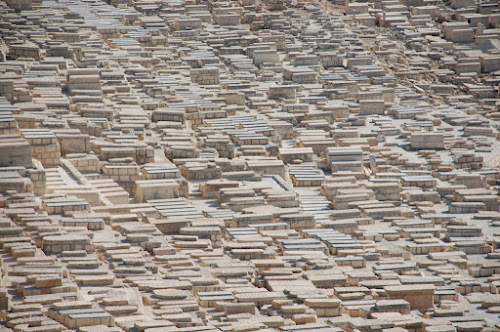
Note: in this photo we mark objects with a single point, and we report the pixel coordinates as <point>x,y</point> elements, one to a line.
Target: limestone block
<point>419,297</point>
<point>427,141</point>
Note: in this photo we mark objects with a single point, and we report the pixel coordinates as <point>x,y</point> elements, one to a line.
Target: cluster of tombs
<point>249,165</point>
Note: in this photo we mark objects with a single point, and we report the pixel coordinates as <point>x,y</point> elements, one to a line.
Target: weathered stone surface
<point>249,165</point>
